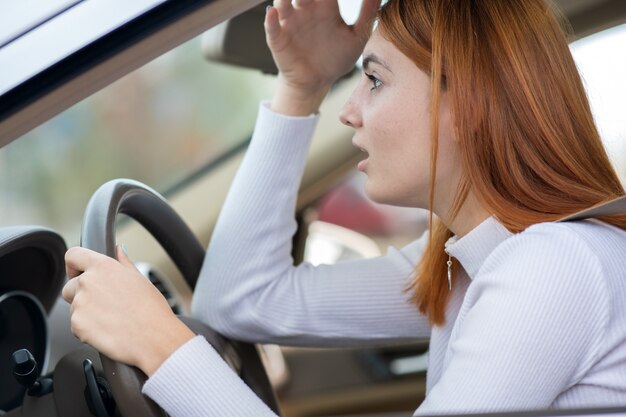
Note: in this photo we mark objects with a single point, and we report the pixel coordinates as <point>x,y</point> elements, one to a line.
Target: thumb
<point>123,258</point>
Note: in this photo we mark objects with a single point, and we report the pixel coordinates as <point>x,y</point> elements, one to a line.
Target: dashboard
<point>33,316</point>
<point>32,272</point>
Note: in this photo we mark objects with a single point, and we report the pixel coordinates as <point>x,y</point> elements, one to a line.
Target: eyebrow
<point>371,58</point>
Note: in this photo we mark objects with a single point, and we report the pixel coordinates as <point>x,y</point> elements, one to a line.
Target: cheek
<point>412,143</point>
<point>413,162</point>
<point>403,160</point>
<point>399,144</point>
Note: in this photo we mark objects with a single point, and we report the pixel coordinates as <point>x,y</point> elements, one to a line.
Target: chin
<point>382,194</point>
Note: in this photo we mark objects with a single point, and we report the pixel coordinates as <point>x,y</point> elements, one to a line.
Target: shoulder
<point>544,244</point>
<point>546,289</point>
<point>560,260</point>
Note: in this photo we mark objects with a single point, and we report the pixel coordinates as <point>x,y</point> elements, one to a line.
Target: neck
<point>471,214</point>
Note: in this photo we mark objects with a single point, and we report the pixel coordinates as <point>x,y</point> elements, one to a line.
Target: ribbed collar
<point>472,249</point>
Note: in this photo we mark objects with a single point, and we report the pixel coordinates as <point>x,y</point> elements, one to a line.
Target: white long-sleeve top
<point>536,320</point>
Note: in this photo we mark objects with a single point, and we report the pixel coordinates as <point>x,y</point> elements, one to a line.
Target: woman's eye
<point>375,82</point>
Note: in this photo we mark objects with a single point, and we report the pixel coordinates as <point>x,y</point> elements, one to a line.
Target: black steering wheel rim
<point>152,211</point>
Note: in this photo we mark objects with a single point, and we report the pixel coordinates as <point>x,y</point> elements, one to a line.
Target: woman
<point>472,109</point>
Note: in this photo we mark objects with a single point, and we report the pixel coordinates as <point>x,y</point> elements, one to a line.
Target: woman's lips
<point>362,165</point>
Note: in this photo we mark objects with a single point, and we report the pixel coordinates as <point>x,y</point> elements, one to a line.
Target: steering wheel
<point>152,211</point>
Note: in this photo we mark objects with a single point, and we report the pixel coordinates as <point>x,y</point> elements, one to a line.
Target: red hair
<point>530,150</point>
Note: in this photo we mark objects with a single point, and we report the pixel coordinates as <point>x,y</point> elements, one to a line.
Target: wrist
<point>168,340</point>
<point>292,100</point>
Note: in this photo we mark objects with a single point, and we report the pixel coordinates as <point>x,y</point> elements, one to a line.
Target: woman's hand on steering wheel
<point>119,312</point>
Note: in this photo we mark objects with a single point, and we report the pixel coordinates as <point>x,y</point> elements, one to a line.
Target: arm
<point>532,324</point>
<point>249,288</point>
<point>195,381</point>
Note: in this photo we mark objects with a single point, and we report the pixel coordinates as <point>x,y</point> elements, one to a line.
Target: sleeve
<point>533,325</point>
<point>195,381</point>
<point>249,288</point>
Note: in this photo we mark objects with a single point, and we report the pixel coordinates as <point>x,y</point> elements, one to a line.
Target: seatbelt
<point>610,208</point>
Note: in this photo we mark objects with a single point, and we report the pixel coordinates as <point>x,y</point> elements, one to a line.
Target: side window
<point>602,63</point>
<point>345,224</point>
<point>159,125</point>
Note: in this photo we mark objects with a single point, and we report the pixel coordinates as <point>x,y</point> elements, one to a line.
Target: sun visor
<point>241,41</point>
<point>32,260</point>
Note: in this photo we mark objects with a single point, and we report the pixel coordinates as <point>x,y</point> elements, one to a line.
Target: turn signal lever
<point>26,372</point>
<point>97,392</point>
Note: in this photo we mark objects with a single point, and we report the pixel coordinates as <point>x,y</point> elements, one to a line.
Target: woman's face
<point>390,112</point>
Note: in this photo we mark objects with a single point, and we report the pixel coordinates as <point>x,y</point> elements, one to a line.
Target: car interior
<point>129,128</point>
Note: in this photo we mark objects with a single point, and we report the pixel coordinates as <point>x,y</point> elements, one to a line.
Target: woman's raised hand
<point>312,47</point>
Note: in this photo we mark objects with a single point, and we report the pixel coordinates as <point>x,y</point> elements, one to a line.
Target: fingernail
<point>267,8</point>
<point>124,249</point>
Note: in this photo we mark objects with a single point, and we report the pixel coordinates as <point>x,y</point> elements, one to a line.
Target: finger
<point>75,324</point>
<point>78,259</point>
<point>74,263</point>
<point>272,26</point>
<point>284,8</point>
<point>365,21</point>
<point>123,258</point>
<point>69,290</point>
<point>302,3</point>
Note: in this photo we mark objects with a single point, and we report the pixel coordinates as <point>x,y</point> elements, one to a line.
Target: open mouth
<point>362,165</point>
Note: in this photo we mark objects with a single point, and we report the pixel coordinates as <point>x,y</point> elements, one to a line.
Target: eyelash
<point>376,83</point>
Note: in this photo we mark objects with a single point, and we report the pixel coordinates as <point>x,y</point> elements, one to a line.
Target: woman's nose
<point>349,115</point>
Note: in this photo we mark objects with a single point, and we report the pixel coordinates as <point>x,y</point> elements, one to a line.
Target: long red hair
<point>530,150</point>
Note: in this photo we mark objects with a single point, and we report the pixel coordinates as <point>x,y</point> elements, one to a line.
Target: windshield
<point>157,125</point>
